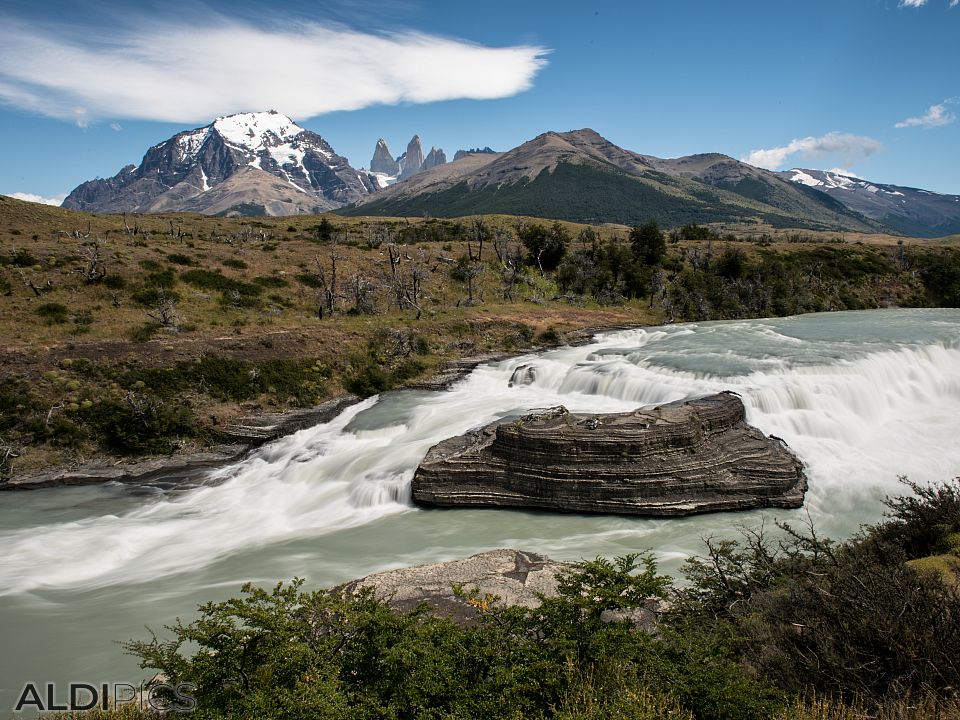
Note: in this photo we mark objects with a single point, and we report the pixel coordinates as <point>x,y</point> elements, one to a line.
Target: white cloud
<point>936,116</point>
<point>193,72</point>
<point>845,173</point>
<point>921,3</point>
<point>849,148</point>
<point>116,127</point>
<point>30,197</point>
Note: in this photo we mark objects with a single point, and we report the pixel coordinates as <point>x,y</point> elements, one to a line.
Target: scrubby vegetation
<point>787,627</point>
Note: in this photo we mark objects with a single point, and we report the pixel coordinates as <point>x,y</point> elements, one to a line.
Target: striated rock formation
<point>383,161</point>
<point>412,159</point>
<point>676,459</point>
<point>434,157</point>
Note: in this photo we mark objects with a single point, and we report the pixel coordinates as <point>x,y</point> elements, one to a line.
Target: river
<point>861,397</point>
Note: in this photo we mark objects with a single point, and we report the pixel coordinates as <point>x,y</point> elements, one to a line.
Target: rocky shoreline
<point>676,459</point>
<point>181,470</point>
<point>245,435</point>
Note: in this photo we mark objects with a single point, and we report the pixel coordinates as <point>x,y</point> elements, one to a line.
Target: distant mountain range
<point>264,163</point>
<point>905,210</point>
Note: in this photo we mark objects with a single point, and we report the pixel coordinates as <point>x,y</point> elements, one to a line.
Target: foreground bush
<point>799,628</point>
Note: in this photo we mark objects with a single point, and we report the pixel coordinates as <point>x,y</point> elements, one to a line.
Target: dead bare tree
<point>480,232</point>
<point>362,294</point>
<point>510,255</point>
<point>377,234</point>
<point>135,230</point>
<point>165,310</point>
<point>328,285</point>
<point>8,453</point>
<point>406,287</point>
<point>96,269</point>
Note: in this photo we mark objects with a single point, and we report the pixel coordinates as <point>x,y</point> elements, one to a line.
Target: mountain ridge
<point>580,175</point>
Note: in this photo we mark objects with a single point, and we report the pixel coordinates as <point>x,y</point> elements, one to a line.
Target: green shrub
<point>234,263</point>
<point>53,313</point>
<point>364,377</point>
<point>140,423</point>
<point>149,297</point>
<point>23,258</point>
<point>144,333</point>
<point>181,259</point>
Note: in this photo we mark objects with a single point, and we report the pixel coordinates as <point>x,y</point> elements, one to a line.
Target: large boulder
<point>677,459</point>
<point>514,576</point>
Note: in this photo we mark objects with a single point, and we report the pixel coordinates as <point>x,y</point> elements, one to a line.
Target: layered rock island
<point>681,458</point>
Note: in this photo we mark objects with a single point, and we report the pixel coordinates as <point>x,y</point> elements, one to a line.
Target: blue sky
<point>872,86</point>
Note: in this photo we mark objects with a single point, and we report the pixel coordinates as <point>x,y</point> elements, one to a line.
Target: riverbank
<point>236,429</point>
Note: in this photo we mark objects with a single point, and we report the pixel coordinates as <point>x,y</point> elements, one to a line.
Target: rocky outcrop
<point>513,575</point>
<point>412,158</point>
<point>676,459</point>
<point>473,151</point>
<point>502,577</point>
<point>383,161</point>
<point>175,471</point>
<point>182,471</point>
<point>434,157</point>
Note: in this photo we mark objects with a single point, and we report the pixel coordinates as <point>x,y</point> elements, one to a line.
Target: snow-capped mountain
<point>249,163</point>
<point>908,210</point>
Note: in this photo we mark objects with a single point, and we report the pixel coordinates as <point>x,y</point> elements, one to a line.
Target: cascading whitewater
<point>860,397</point>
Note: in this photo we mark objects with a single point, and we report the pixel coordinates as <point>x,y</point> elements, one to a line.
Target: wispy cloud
<point>936,116</point>
<point>30,197</point>
<point>187,72</point>
<point>921,3</point>
<point>849,148</point>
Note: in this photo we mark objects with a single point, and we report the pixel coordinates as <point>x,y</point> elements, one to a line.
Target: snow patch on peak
<point>799,176</point>
<point>382,179</point>
<point>255,130</point>
<point>191,142</point>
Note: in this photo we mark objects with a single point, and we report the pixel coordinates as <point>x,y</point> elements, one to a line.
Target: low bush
<point>53,313</point>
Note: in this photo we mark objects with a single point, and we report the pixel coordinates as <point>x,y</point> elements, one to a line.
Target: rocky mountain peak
<point>383,161</point>
<point>262,161</point>
<point>434,157</point>
<point>413,158</point>
<point>254,130</point>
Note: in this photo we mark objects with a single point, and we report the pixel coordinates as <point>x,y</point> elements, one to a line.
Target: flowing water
<point>861,397</point>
